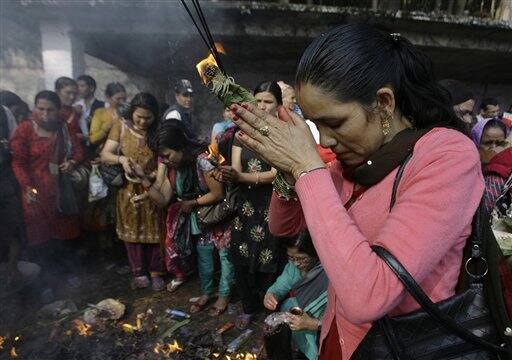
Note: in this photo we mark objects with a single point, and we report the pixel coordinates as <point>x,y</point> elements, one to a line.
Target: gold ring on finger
<point>264,130</point>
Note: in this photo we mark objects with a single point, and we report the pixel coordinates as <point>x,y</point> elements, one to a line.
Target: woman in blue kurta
<point>302,284</point>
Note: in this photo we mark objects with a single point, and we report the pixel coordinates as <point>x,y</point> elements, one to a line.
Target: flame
<point>239,356</point>
<point>214,154</point>
<point>167,349</point>
<point>83,328</point>
<point>209,61</point>
<point>129,328</point>
<point>13,352</point>
<point>245,356</point>
<point>17,338</point>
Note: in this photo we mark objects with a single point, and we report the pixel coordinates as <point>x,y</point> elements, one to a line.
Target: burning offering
<point>83,328</point>
<point>167,349</point>
<point>222,85</point>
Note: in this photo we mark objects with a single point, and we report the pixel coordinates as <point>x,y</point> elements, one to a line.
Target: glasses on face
<point>493,143</point>
<point>298,259</point>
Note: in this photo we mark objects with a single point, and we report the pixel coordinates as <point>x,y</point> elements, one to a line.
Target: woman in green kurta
<point>302,284</point>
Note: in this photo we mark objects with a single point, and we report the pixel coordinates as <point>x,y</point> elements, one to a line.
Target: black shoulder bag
<point>472,324</point>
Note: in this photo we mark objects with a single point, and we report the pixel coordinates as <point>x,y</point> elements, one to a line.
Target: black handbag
<point>67,203</point>
<point>213,214</point>
<point>113,175</point>
<point>464,326</point>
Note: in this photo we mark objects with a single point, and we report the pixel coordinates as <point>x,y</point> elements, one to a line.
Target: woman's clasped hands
<point>286,143</point>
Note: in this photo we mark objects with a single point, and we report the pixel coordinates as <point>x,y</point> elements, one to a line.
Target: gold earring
<point>385,121</point>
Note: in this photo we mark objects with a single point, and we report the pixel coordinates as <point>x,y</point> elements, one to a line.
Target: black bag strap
<point>417,292</point>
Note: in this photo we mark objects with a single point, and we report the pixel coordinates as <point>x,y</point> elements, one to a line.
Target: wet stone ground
<point>27,333</point>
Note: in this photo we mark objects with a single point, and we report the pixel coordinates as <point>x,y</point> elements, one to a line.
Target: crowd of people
<point>156,173</point>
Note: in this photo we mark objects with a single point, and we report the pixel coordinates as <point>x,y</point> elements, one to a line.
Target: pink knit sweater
<point>439,192</point>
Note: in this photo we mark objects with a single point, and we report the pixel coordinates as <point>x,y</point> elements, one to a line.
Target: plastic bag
<point>97,187</point>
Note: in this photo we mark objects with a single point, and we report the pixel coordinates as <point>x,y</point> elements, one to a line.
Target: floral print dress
<point>251,242</point>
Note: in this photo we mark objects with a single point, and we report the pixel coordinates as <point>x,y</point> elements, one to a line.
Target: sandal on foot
<point>199,305</point>
<point>174,285</point>
<point>141,282</point>
<point>243,321</point>
<point>157,283</point>
<point>216,309</point>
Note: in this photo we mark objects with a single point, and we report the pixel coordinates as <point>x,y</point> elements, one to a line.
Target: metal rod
<point>202,18</point>
<point>206,42</point>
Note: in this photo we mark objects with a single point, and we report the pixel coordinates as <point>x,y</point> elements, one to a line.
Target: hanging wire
<point>206,36</point>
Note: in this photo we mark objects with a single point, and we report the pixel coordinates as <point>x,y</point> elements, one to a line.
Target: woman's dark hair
<point>114,88</point>
<point>9,99</point>
<point>271,87</point>
<point>62,82</point>
<point>488,101</point>
<point>353,61</point>
<point>495,123</point>
<point>171,134</point>
<point>303,243</point>
<point>459,93</point>
<point>50,96</point>
<point>89,80</point>
<point>149,102</point>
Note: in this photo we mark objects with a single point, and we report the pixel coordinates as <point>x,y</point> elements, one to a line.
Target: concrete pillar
<point>63,52</point>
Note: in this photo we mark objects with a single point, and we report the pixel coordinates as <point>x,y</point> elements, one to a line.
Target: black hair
<point>9,99</point>
<point>303,243</point>
<point>271,87</point>
<point>62,82</point>
<point>459,93</point>
<point>89,80</point>
<point>21,110</point>
<point>171,134</point>
<point>149,102</point>
<point>495,123</point>
<point>353,61</point>
<point>488,101</point>
<point>50,96</point>
<point>114,88</point>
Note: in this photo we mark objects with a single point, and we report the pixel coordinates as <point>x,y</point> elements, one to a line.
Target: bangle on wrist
<point>283,189</point>
<point>305,172</point>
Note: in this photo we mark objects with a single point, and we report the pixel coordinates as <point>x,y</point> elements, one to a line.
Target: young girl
<point>302,284</point>
<point>185,174</point>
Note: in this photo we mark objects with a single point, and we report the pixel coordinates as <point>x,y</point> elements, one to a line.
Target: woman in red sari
<point>37,166</point>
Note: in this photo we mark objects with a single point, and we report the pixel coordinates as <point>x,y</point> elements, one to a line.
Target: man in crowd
<point>183,93</point>
<point>490,108</point>
<point>87,103</point>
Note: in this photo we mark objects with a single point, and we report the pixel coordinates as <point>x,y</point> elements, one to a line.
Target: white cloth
<point>85,116</point>
<point>173,115</point>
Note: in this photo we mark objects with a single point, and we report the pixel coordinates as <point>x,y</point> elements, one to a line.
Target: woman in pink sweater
<point>374,100</point>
